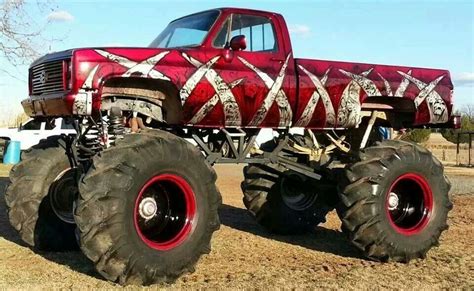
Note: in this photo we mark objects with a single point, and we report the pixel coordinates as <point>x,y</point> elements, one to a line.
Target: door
<point>254,82</point>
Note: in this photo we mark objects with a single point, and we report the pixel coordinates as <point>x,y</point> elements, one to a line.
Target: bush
<point>467,124</point>
<point>417,135</point>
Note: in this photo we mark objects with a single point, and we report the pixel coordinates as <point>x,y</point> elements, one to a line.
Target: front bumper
<point>56,105</point>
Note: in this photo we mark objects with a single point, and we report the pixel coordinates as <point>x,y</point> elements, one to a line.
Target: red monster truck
<point>140,200</point>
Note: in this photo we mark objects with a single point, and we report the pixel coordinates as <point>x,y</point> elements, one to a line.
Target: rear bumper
<point>60,104</point>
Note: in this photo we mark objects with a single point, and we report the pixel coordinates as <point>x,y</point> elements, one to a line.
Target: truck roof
<point>230,10</point>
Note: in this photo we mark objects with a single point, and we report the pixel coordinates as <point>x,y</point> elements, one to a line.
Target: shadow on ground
<point>322,239</point>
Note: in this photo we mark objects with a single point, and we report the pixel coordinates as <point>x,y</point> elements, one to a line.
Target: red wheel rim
<point>409,204</point>
<point>174,215</point>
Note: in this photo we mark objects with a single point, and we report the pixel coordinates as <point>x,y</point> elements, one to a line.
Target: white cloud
<point>463,79</point>
<point>60,16</point>
<point>299,30</point>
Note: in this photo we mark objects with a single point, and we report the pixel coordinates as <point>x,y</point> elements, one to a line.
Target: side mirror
<point>238,42</point>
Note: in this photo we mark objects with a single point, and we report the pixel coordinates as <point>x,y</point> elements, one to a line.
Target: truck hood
<point>53,57</point>
<point>66,54</point>
<point>94,66</point>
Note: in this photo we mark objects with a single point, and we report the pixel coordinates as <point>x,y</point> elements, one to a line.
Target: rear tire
<point>147,209</point>
<point>283,201</point>
<point>394,201</point>
<point>28,197</point>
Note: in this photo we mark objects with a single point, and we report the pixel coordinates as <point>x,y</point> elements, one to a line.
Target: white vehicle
<point>30,133</point>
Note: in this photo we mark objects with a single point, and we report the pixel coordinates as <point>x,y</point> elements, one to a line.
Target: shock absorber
<point>115,129</point>
<point>89,142</point>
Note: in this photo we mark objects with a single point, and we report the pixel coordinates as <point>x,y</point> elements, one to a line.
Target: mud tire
<point>363,194</point>
<point>27,199</point>
<point>264,191</point>
<point>106,208</point>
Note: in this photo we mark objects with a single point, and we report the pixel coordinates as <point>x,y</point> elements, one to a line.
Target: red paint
<point>251,92</point>
<point>426,195</point>
<point>187,194</point>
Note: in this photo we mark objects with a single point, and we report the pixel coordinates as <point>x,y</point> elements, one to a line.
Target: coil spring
<point>89,144</point>
<point>115,128</point>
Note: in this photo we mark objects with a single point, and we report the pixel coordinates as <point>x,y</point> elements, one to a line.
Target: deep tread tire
<point>363,193</point>
<point>27,199</point>
<point>263,190</point>
<point>105,209</point>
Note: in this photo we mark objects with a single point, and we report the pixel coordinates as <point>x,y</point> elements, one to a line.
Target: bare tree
<point>21,36</point>
<point>468,110</point>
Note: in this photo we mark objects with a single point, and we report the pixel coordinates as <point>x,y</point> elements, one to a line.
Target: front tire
<point>147,209</point>
<point>394,201</point>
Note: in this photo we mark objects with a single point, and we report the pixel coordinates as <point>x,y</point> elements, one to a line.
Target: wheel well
<point>159,94</point>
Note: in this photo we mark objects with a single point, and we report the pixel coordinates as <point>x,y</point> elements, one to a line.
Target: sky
<point>433,34</point>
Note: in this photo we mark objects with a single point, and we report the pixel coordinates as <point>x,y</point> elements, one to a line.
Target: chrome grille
<point>47,78</point>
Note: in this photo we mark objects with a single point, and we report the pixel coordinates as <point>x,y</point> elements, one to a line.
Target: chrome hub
<point>393,201</point>
<point>147,208</point>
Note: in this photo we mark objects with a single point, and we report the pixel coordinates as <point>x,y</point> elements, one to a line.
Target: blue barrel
<point>385,132</point>
<point>12,153</point>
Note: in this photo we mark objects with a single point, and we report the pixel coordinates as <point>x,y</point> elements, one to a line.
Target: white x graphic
<point>349,112</point>
<point>436,104</point>
<point>144,68</point>
<point>222,91</point>
<point>401,88</point>
<point>322,93</point>
<point>209,105</point>
<point>275,94</point>
<point>365,83</point>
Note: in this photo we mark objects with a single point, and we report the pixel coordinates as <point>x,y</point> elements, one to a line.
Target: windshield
<point>187,31</point>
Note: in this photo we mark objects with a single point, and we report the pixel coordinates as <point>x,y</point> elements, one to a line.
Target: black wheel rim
<point>62,194</point>
<point>165,211</point>
<point>295,193</point>
<point>409,204</point>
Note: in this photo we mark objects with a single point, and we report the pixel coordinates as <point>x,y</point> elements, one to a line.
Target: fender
<point>158,99</point>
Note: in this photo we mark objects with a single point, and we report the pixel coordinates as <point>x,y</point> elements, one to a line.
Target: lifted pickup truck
<point>141,201</point>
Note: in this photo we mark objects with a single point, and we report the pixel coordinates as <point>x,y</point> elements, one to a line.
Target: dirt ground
<point>245,256</point>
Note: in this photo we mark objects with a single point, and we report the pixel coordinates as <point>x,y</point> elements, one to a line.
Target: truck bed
<point>343,87</point>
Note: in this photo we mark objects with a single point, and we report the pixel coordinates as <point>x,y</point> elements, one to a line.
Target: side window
<point>258,31</point>
<point>65,125</point>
